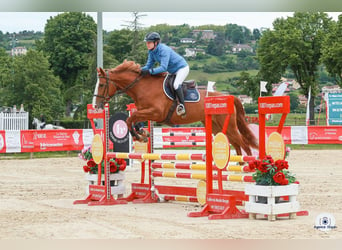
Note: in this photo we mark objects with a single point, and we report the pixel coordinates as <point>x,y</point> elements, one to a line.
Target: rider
<point>169,61</point>
<point>43,122</point>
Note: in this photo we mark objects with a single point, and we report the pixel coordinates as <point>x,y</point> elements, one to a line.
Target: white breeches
<point>181,75</point>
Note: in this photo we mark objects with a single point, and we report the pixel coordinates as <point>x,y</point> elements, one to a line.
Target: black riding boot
<point>181,107</point>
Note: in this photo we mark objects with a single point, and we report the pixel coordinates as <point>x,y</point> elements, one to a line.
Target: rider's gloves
<point>145,72</point>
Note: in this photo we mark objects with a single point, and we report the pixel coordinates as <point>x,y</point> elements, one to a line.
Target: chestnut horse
<point>152,104</point>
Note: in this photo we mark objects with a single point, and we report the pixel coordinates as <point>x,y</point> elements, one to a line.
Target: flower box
<point>116,183</point>
<point>271,208</point>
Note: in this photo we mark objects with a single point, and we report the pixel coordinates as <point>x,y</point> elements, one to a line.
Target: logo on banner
<point>275,146</point>
<point>97,149</point>
<point>221,150</point>
<point>118,130</point>
<point>76,137</point>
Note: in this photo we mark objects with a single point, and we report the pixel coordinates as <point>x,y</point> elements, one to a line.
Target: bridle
<point>119,90</point>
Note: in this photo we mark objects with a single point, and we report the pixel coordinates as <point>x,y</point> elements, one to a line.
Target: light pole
<point>14,40</point>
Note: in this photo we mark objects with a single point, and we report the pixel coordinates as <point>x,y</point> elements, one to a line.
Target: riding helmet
<point>152,37</point>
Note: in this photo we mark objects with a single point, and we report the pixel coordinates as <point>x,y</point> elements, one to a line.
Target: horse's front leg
<point>141,116</point>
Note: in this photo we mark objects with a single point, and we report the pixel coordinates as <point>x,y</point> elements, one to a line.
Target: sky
<point>20,21</point>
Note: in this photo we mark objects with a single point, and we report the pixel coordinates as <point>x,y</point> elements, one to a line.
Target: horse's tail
<point>247,135</point>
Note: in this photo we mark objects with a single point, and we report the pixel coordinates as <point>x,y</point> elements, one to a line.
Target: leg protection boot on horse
<point>181,107</point>
<point>139,127</point>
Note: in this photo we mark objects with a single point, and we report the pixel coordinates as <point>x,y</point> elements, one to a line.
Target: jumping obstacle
<point>100,194</point>
<point>151,156</point>
<point>219,203</point>
<point>178,137</point>
<point>189,137</point>
<point>150,192</point>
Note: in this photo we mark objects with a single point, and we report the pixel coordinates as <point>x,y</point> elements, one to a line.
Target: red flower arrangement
<point>271,173</point>
<point>115,165</point>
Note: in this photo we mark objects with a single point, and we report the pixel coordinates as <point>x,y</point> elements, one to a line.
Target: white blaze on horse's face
<point>96,92</point>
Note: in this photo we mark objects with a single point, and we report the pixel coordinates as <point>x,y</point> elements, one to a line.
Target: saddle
<point>189,88</point>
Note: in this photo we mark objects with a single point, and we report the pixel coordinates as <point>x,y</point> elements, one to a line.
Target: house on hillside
<point>205,34</point>
<point>331,89</point>
<point>16,51</point>
<point>302,100</point>
<point>242,47</point>
<point>245,99</point>
<point>187,40</point>
<point>192,52</point>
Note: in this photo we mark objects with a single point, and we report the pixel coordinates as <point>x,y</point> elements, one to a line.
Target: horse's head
<point>119,79</point>
<point>35,122</point>
<point>101,92</point>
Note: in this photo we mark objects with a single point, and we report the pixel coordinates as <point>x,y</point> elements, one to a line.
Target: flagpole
<point>307,122</point>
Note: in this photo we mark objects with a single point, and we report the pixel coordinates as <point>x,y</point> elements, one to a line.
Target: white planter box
<point>271,209</point>
<point>116,183</point>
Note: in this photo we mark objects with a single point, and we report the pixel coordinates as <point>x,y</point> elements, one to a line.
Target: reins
<point>119,90</point>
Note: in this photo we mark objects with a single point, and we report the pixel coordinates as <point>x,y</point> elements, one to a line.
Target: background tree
<point>295,43</point>
<point>35,86</point>
<point>136,41</point>
<point>117,44</point>
<point>332,51</point>
<point>216,46</point>
<point>6,78</point>
<point>248,83</point>
<point>127,44</point>
<point>256,34</point>
<point>294,101</point>
<point>69,42</point>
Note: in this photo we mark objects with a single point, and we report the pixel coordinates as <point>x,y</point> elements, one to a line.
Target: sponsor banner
<point>182,130</point>
<point>299,135</point>
<point>219,105</point>
<point>193,135</point>
<point>12,138</point>
<point>334,110</point>
<point>16,141</point>
<point>325,135</point>
<point>2,141</point>
<point>51,140</point>
<point>87,137</point>
<point>274,105</point>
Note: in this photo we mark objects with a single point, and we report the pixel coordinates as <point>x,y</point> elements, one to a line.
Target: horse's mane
<point>127,66</point>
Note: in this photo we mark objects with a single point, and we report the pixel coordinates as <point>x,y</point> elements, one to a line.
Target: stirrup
<point>180,109</point>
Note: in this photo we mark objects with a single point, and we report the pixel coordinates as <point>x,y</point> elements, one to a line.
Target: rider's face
<point>150,45</point>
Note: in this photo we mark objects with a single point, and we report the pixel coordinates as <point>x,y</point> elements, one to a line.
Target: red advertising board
<point>325,135</point>
<point>2,141</point>
<point>219,105</point>
<point>51,140</point>
<point>274,105</point>
<point>73,139</point>
<point>286,133</point>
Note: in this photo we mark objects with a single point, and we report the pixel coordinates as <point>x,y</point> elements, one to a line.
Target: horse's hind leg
<point>232,137</point>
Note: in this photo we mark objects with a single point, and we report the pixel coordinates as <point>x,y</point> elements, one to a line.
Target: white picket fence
<point>14,120</point>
